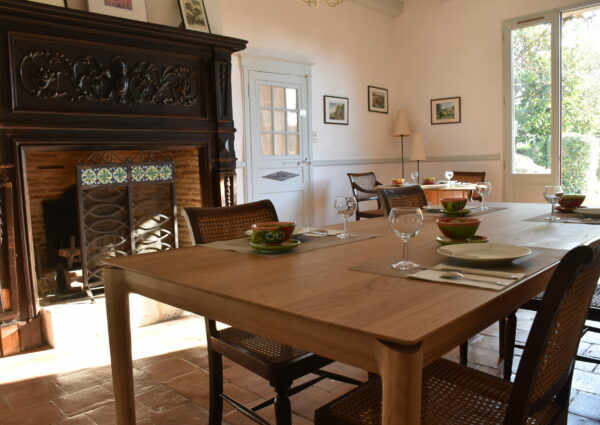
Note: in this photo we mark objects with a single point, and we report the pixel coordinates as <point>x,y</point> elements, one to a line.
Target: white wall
<point>454,48</point>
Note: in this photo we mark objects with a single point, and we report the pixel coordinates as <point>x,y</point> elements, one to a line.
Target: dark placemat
<point>565,218</point>
<point>473,213</point>
<point>308,243</point>
<point>539,259</point>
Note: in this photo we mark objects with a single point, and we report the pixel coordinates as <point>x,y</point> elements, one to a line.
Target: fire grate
<point>126,207</point>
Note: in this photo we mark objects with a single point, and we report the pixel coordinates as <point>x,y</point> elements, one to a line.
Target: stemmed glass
<point>552,194</point>
<point>406,224</point>
<point>414,176</point>
<point>449,174</point>
<point>345,206</point>
<point>483,189</point>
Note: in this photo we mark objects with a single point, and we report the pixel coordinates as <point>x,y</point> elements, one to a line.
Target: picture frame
<point>446,110</point>
<point>57,3</point>
<point>130,9</point>
<point>193,15</point>
<point>335,110</point>
<point>378,99</point>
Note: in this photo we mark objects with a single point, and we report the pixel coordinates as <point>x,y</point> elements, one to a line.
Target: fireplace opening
<point>86,206</point>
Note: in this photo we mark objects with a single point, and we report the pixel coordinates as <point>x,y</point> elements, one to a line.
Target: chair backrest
<point>362,185</point>
<point>403,196</point>
<point>470,177</point>
<point>225,223</point>
<point>546,368</point>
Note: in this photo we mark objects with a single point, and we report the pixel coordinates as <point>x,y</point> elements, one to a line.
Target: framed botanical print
<point>59,3</point>
<point>335,110</point>
<point>130,9</point>
<point>445,111</point>
<point>378,100</point>
<point>193,14</point>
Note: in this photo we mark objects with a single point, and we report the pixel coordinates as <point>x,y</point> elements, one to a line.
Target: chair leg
<point>283,408</point>
<point>510,331</point>
<point>215,367</point>
<point>501,342</point>
<point>464,353</point>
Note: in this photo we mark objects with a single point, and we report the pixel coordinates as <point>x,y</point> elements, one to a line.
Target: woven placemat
<point>308,243</point>
<point>564,219</point>
<point>473,213</point>
<point>539,259</point>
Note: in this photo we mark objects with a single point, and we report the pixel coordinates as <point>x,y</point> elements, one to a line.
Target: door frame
<point>554,16</point>
<point>250,63</point>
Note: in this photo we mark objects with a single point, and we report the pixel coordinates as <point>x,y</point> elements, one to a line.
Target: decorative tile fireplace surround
<point>77,85</point>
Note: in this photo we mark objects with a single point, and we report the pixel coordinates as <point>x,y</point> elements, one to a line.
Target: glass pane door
<point>581,103</point>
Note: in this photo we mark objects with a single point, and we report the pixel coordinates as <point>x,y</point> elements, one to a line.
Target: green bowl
<point>453,204</point>
<point>459,228</point>
<point>272,233</point>
<point>571,201</point>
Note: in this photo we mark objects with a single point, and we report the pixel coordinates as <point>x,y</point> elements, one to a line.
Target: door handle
<point>298,163</point>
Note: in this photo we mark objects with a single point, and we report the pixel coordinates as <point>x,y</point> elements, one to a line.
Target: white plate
<point>482,253</point>
<point>588,212</point>
<point>433,208</point>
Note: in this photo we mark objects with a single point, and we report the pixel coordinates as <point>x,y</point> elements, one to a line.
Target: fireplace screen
<point>125,208</point>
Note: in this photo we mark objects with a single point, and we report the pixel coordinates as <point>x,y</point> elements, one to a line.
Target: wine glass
<point>406,224</point>
<point>345,206</point>
<point>483,189</point>
<point>552,194</point>
<point>414,176</point>
<point>449,174</point>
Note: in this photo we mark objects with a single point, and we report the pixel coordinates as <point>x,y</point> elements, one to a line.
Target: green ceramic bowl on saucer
<point>459,213</point>
<point>459,228</point>
<point>453,204</point>
<point>272,233</point>
<point>569,202</point>
<point>443,240</point>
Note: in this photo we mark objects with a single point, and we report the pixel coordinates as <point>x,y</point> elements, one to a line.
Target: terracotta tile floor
<point>72,386</point>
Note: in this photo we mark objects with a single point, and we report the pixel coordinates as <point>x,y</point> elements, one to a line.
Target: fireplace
<point>79,85</point>
<point>142,196</point>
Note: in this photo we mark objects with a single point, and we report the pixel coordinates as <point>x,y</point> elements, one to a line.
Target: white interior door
<point>279,166</point>
<point>532,102</point>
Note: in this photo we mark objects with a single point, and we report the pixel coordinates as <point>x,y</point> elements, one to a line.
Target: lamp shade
<point>401,128</point>
<point>418,149</point>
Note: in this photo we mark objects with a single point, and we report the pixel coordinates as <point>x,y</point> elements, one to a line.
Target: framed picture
<point>335,110</point>
<point>59,3</point>
<point>378,100</point>
<point>130,9</point>
<point>445,111</point>
<point>194,15</point>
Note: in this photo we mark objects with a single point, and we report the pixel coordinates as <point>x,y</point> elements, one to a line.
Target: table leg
<point>119,336</point>
<point>401,370</point>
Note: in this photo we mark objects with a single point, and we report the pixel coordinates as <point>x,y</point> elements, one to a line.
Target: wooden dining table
<point>312,300</point>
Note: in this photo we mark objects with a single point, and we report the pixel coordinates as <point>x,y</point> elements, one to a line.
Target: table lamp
<point>418,153</point>
<point>401,129</point>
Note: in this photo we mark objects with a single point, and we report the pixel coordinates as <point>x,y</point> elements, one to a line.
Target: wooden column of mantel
<point>75,80</point>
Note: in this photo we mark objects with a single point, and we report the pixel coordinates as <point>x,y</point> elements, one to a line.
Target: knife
<point>504,275</point>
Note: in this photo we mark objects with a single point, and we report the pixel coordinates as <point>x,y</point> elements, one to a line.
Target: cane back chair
<point>470,177</point>
<point>403,196</point>
<point>277,363</point>
<point>455,394</point>
<point>363,189</point>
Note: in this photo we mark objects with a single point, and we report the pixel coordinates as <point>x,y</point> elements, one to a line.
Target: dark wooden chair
<point>278,363</point>
<point>509,329</point>
<point>455,394</point>
<point>470,177</point>
<point>403,196</point>
<point>363,185</point>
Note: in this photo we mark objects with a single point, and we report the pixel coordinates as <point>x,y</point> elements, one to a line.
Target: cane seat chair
<point>363,189</point>
<point>278,363</point>
<point>454,394</point>
<point>470,177</point>
<point>403,196</point>
<point>509,328</point>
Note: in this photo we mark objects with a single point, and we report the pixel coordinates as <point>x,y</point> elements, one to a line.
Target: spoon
<point>459,275</point>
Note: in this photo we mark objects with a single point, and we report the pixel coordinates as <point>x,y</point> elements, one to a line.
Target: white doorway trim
<point>250,63</point>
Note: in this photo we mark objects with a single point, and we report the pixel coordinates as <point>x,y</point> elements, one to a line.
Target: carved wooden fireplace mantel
<point>73,80</point>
